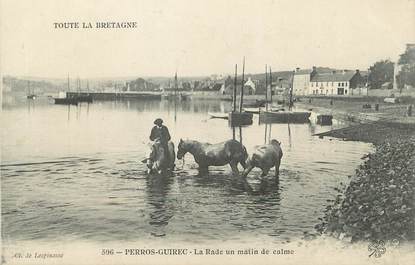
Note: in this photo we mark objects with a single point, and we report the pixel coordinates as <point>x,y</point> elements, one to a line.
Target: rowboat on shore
<point>218,115</point>
<point>252,110</point>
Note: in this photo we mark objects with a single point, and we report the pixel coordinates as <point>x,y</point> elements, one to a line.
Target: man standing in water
<point>162,133</point>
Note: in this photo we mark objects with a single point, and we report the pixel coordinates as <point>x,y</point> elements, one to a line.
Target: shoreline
<point>379,201</point>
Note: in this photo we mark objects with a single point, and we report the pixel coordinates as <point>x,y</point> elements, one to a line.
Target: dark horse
<point>158,161</point>
<point>230,152</point>
<point>265,157</point>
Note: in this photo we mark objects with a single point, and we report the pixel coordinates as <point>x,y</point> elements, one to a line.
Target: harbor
<point>82,156</point>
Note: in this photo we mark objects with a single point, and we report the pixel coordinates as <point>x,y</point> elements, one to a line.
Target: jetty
<point>117,95</point>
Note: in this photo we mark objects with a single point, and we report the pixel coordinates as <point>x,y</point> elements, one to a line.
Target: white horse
<point>265,157</point>
<point>158,161</point>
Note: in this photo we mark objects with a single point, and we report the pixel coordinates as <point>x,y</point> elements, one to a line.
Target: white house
<point>301,80</point>
<point>335,83</point>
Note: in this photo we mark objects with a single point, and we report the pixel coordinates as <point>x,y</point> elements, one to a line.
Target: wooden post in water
<point>234,89</point>
<point>242,86</point>
<point>266,88</point>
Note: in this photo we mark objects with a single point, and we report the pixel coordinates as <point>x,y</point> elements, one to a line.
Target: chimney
<point>297,69</point>
<point>357,71</point>
<point>314,68</point>
<point>334,71</point>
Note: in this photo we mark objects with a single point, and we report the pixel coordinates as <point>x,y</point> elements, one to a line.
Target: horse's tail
<point>244,153</point>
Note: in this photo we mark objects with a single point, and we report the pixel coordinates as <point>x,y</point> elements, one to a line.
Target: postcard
<point>207,132</point>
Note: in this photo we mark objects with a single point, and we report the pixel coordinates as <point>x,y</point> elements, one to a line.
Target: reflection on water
<point>75,173</point>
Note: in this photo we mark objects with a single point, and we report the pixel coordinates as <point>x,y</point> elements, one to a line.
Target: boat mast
<point>270,84</point>
<point>242,86</point>
<point>266,88</point>
<point>175,84</point>
<point>234,90</point>
<point>290,104</point>
<point>69,88</point>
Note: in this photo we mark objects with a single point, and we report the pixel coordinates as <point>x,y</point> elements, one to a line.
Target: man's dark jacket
<point>160,132</point>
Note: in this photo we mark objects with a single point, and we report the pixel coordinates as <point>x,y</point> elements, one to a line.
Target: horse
<point>229,152</point>
<point>158,162</point>
<point>265,157</point>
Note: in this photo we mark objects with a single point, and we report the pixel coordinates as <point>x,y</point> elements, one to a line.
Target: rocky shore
<point>379,202</point>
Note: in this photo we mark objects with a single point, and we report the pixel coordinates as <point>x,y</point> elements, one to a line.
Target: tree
<point>406,74</point>
<point>380,73</point>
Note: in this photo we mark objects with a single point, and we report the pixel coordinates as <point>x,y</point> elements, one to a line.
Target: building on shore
<point>301,80</point>
<point>250,86</point>
<point>140,84</point>
<point>341,83</point>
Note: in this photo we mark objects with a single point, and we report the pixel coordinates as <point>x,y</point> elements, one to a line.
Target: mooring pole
<point>242,86</point>
<point>266,88</point>
<point>234,90</point>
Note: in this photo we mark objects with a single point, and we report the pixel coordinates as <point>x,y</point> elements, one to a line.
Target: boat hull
<point>218,115</point>
<point>252,110</point>
<point>284,117</point>
<point>240,118</point>
<point>66,101</point>
<point>87,98</point>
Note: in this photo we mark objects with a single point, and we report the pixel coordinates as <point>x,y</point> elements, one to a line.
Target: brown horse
<point>229,152</point>
<point>158,161</point>
<point>265,157</point>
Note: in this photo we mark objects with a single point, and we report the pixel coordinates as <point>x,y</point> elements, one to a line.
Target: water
<point>75,174</point>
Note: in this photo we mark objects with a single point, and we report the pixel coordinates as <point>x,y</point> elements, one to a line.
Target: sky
<point>198,37</point>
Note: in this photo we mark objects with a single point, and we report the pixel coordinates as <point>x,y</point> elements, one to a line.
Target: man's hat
<point>158,121</point>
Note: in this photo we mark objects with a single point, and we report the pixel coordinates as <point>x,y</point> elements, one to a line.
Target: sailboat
<point>30,95</point>
<point>241,117</point>
<point>282,115</point>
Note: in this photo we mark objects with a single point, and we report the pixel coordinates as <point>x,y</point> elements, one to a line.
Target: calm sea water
<point>74,173</point>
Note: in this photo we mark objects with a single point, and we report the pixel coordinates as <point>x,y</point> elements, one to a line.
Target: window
<point>327,83</point>
<point>346,83</point>
<point>345,91</point>
<point>312,84</point>
<point>332,83</point>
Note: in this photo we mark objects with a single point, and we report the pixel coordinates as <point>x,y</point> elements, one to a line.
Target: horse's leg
<point>277,169</point>
<point>243,163</point>
<point>248,169</point>
<point>203,169</point>
<point>264,172</point>
<point>234,166</point>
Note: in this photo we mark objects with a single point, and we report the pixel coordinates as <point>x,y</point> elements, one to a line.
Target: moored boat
<point>218,115</point>
<point>252,110</point>
<point>66,101</point>
<point>285,116</point>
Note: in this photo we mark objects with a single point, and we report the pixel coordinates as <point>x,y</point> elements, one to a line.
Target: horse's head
<point>181,149</point>
<point>155,156</point>
<point>275,142</point>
